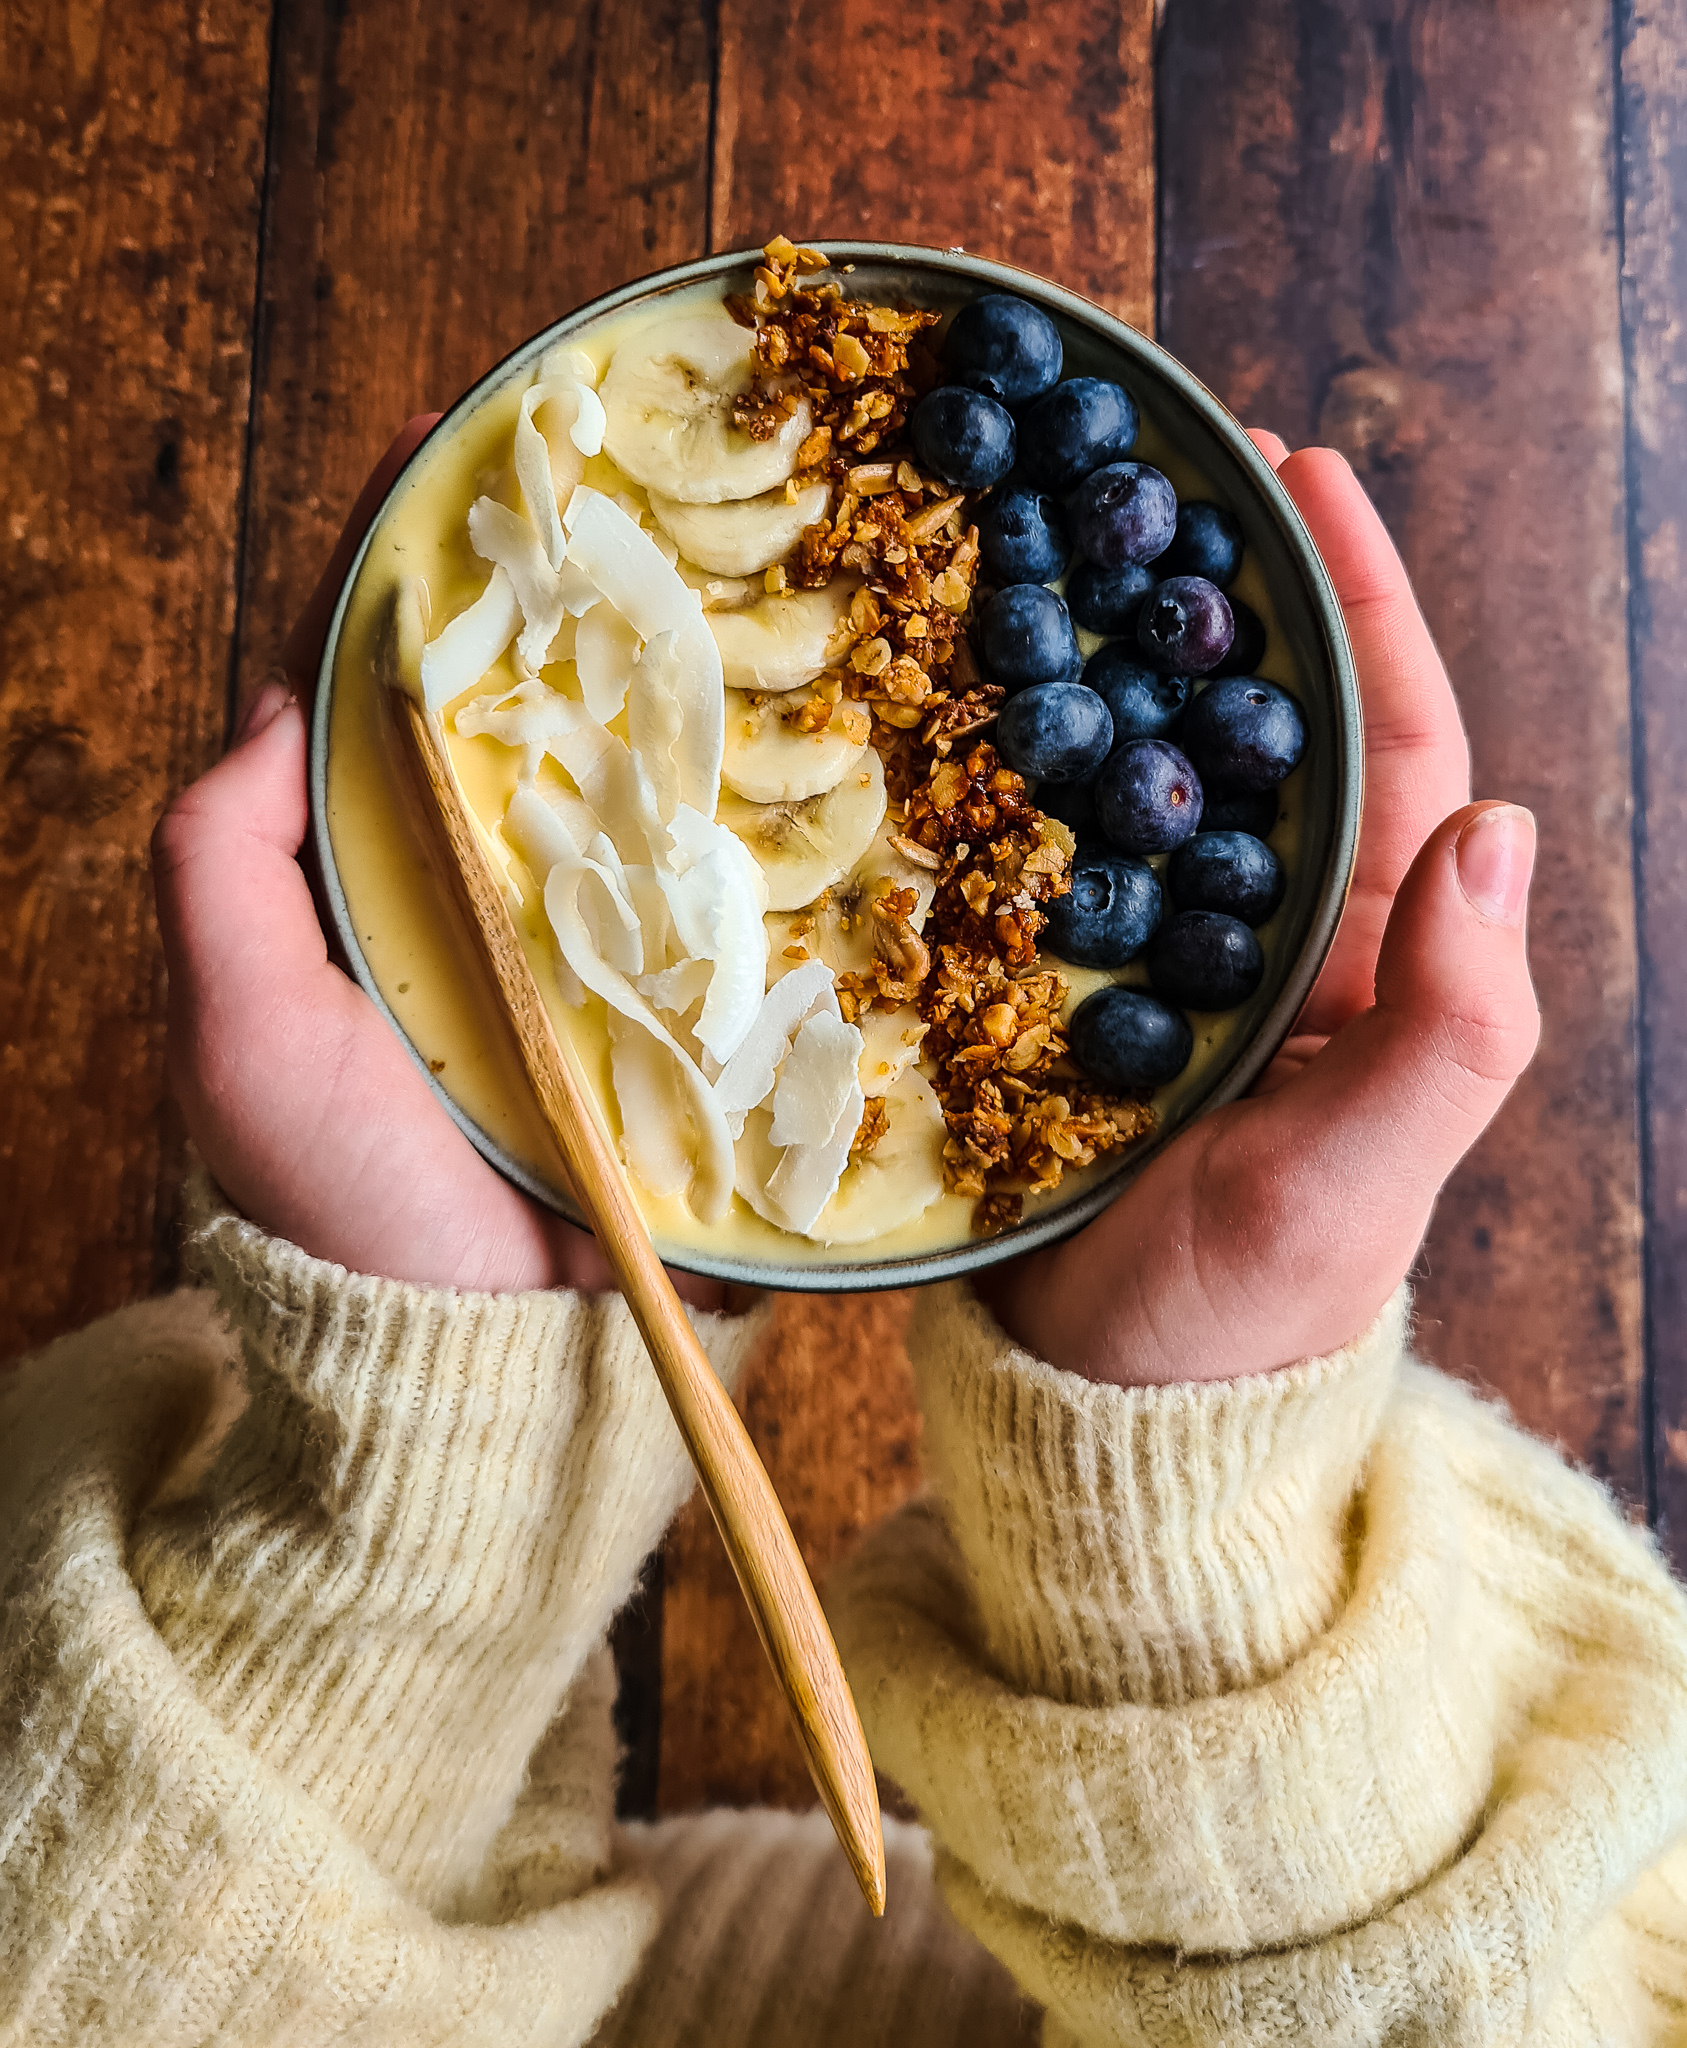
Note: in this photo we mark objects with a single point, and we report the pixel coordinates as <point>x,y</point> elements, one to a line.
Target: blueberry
<point>1126,512</point>
<point>1205,961</point>
<point>1022,536</point>
<point>1244,733</point>
<point>1028,638</point>
<point>1003,346</point>
<point>1247,650</point>
<point>1125,1039</point>
<point>1108,600</point>
<point>1241,810</point>
<point>1145,704</point>
<point>1055,732</point>
<point>1229,871</point>
<point>1073,803</point>
<point>1185,627</point>
<point>963,437</point>
<point>1077,427</point>
<point>1208,542</point>
<point>1147,797</point>
<point>1110,912</point>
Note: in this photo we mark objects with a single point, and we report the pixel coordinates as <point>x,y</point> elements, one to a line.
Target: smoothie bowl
<point>914,733</point>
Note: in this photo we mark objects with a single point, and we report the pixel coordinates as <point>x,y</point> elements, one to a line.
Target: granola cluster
<point>1017,1112</point>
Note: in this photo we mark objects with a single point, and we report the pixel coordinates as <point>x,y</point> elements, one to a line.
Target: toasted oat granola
<point>1018,1113</point>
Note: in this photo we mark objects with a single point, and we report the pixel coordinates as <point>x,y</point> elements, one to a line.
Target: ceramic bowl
<point>1323,797</point>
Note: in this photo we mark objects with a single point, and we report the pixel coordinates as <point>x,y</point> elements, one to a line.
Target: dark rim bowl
<point>1206,433</point>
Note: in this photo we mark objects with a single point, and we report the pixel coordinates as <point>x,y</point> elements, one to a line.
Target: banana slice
<point>767,760</point>
<point>899,1179</point>
<point>839,930</point>
<point>890,1044</point>
<point>667,401</point>
<point>782,642</point>
<point>803,846</point>
<point>740,539</point>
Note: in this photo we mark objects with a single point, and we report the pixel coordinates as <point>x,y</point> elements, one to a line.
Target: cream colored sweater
<point>1321,1707</point>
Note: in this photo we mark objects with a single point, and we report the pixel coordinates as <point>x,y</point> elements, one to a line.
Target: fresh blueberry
<point>963,437</point>
<point>1022,536</point>
<point>1073,803</point>
<point>1208,542</point>
<point>1055,732</point>
<point>1247,650</point>
<point>1205,961</point>
<point>1253,811</point>
<point>1124,513</point>
<point>1077,427</point>
<point>1108,600</point>
<point>1125,1039</point>
<point>1005,347</point>
<point>1145,704</point>
<point>1147,797</point>
<point>1028,638</point>
<point>1244,733</point>
<point>1229,871</point>
<point>1185,627</point>
<point>1110,912</point>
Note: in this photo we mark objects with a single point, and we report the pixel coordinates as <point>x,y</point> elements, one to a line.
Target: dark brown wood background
<point>243,240</point>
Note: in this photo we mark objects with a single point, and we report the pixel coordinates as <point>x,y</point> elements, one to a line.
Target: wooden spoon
<point>746,1509</point>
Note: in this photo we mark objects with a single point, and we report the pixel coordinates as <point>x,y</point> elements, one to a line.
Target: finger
<point>1416,762</point>
<point>1272,446</point>
<point>303,650</point>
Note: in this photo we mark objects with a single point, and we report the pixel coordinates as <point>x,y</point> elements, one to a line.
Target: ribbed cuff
<point>1154,1544</point>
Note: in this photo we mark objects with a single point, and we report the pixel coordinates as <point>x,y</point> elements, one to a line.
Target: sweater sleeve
<point>266,1731</point>
<point>1323,1705</point>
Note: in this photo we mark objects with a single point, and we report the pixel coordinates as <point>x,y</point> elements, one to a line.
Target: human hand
<point>302,1101</point>
<point>1277,1227</point>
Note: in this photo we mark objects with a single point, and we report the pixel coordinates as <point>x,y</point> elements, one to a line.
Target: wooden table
<point>242,242</point>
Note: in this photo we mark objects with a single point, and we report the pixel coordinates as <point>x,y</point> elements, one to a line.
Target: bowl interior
<point>1185,426</point>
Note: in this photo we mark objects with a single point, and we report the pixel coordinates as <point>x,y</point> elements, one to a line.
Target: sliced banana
<point>890,1044</point>
<point>899,1179</point>
<point>739,539</point>
<point>667,401</point>
<point>839,930</point>
<point>803,846</point>
<point>782,642</point>
<point>769,761</point>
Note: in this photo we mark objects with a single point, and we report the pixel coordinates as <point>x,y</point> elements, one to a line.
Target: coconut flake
<point>746,1078</point>
<point>625,564</point>
<point>457,658</point>
<point>807,1176</point>
<point>815,1081</point>
<point>715,894</point>
<point>655,1119</point>
<point>676,718</point>
<point>606,651</point>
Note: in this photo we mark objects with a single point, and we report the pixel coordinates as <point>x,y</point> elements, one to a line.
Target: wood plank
<point>1405,246</point>
<point>1021,133</point>
<point>132,163</point>
<point>1023,136</point>
<point>1652,84</point>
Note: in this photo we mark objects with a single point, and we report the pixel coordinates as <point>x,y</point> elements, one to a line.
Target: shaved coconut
<point>545,595</point>
<point>676,718</point>
<point>532,715</point>
<point>675,989</point>
<point>457,659</point>
<point>807,1176</point>
<point>547,829</point>
<point>563,359</point>
<point>655,1123</point>
<point>815,1081</point>
<point>714,899</point>
<point>626,565</point>
<point>710,1186</point>
<point>745,1079</point>
<point>606,650</point>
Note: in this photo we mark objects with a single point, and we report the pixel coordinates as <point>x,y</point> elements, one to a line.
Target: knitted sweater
<point>1316,1707</point>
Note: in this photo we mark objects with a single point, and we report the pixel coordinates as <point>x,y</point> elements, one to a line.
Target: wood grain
<point>1017,132</point>
<point>1652,84</point>
<point>1405,246</point>
<point>777,1590</point>
<point>131,162</point>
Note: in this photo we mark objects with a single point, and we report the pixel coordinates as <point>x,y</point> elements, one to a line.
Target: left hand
<point>1276,1228</point>
<point>303,1103</point>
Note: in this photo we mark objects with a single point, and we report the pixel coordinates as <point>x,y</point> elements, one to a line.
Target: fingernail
<point>1496,856</point>
<point>264,708</point>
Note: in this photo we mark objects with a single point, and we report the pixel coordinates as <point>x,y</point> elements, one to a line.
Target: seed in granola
<point>1000,1024</point>
<point>875,1121</point>
<point>871,658</point>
